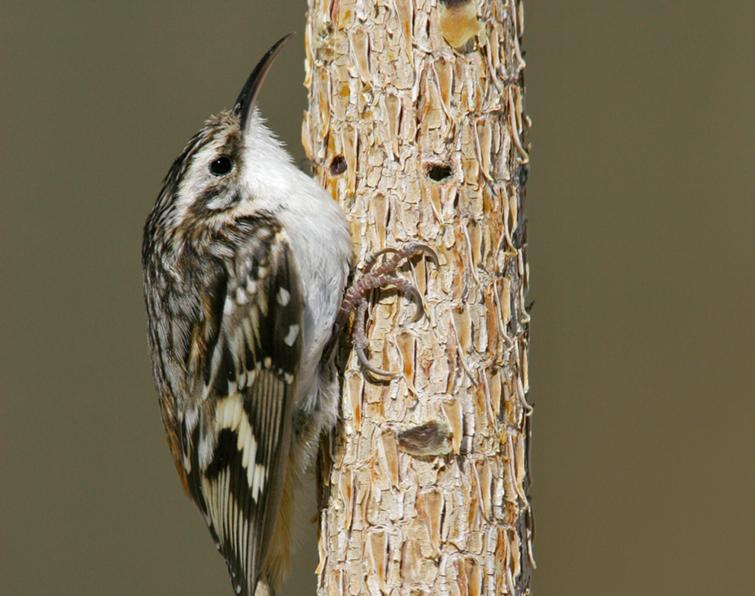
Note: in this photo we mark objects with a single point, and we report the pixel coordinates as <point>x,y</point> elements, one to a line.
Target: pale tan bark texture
<point>416,126</point>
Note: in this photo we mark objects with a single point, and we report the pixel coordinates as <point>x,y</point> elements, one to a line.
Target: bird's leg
<point>375,276</point>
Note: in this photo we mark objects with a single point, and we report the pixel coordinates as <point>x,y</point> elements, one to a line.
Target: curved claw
<point>374,370</point>
<point>360,344</point>
<point>416,248</point>
<point>412,293</point>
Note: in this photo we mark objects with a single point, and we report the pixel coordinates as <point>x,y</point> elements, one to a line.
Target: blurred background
<point>640,207</point>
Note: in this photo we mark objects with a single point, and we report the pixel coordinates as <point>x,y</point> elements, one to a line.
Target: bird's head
<point>212,181</point>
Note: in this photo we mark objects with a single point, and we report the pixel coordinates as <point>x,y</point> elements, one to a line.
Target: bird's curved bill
<point>249,91</point>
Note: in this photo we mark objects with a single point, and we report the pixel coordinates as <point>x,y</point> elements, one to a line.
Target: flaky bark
<point>415,125</point>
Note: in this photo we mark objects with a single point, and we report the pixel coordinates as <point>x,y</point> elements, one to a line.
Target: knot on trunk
<point>430,439</point>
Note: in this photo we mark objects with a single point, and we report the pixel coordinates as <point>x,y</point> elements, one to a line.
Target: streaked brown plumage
<point>241,300</point>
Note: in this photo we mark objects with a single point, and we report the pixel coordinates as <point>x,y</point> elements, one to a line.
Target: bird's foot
<point>376,276</point>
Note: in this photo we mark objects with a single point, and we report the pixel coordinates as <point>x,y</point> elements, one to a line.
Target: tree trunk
<point>415,126</point>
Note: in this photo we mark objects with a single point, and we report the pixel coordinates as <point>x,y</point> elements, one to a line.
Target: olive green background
<point>640,207</point>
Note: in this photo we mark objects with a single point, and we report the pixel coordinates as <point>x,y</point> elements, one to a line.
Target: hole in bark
<point>338,165</point>
<point>438,172</point>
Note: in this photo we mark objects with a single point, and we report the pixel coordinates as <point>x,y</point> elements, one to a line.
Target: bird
<point>246,265</point>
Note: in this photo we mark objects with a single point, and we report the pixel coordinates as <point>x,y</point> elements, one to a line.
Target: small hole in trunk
<point>338,165</point>
<point>438,172</point>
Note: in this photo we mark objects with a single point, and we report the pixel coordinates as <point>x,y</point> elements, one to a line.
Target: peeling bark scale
<point>415,124</point>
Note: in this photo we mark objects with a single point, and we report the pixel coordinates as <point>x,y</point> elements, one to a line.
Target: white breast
<point>320,239</point>
<point>318,233</point>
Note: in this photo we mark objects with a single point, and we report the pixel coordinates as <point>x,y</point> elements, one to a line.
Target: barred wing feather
<point>236,442</point>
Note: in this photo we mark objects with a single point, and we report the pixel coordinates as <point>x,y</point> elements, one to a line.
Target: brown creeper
<point>245,264</point>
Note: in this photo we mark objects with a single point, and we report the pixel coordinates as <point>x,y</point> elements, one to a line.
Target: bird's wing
<point>236,441</point>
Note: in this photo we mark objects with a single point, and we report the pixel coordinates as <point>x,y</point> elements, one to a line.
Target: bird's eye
<point>221,166</point>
